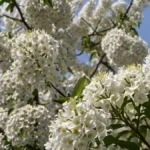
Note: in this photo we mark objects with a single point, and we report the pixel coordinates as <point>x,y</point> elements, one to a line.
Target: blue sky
<point>144,31</point>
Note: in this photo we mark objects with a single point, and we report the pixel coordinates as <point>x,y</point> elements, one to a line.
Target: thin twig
<point>21,15</point>
<point>80,53</point>
<point>95,30</point>
<point>108,66</point>
<point>61,93</point>
<point>127,11</point>
<point>128,122</point>
<point>88,23</point>
<point>97,66</point>
<point>12,18</point>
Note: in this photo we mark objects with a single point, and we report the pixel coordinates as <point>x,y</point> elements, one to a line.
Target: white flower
<point>122,49</point>
<point>34,55</point>
<point>3,117</point>
<point>77,126</point>
<point>28,125</point>
<point>2,142</point>
<point>5,57</point>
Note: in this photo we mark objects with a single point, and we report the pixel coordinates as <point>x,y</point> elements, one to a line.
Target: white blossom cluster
<point>106,89</point>
<point>135,12</point>
<point>39,67</point>
<point>3,117</point>
<point>13,91</point>
<point>98,17</point>
<point>36,12</point>
<point>5,56</point>
<point>77,127</point>
<point>34,54</point>
<point>122,49</point>
<point>74,122</point>
<point>28,125</point>
<point>2,144</point>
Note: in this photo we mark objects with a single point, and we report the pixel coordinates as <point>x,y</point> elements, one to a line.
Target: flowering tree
<point>51,101</point>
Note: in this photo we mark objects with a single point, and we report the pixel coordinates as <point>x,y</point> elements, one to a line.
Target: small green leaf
<point>30,101</point>
<point>82,82</point>
<point>70,70</point>
<point>35,95</point>
<point>116,126</point>
<point>49,3</point>
<point>1,2</point>
<point>62,100</point>
<point>143,130</point>
<point>10,110</point>
<point>147,109</point>
<point>125,102</point>
<point>10,7</point>
<point>109,140</point>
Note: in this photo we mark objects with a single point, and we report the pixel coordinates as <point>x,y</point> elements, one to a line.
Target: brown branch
<point>12,18</point>
<point>97,66</point>
<point>52,85</point>
<point>21,15</point>
<point>88,23</point>
<point>127,11</point>
<point>108,66</point>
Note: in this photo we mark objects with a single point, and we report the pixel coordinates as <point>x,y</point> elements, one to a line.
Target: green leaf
<point>10,110</point>
<point>134,24</point>
<point>143,130</point>
<point>1,2</point>
<point>2,131</point>
<point>116,126</point>
<point>82,82</point>
<point>35,95</point>
<point>125,102</point>
<point>49,3</point>
<point>70,70</point>
<point>133,30</point>
<point>147,109</point>
<point>10,7</point>
<point>86,41</point>
<point>93,54</point>
<point>30,101</point>
<point>109,140</point>
<point>62,100</point>
<point>123,133</point>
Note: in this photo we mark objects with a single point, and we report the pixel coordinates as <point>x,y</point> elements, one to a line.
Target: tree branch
<point>97,66</point>
<point>12,18</point>
<point>61,93</point>
<point>21,15</point>
<point>127,11</point>
<point>88,23</point>
<point>108,66</point>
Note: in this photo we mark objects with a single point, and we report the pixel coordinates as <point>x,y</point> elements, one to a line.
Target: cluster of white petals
<point>106,89</point>
<point>37,13</point>
<point>28,125</point>
<point>77,127</point>
<point>122,48</point>
<point>135,12</point>
<point>3,117</point>
<point>5,55</point>
<point>34,54</point>
<point>39,73</point>
<point>2,142</point>
<point>13,90</point>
